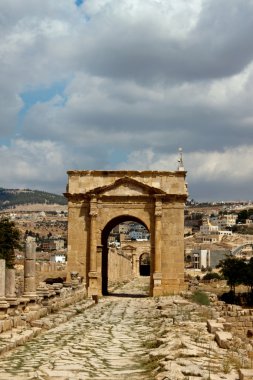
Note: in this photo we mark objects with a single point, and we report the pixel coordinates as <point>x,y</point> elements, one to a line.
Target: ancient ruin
<point>99,200</point>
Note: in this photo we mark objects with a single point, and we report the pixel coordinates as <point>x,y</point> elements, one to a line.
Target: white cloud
<point>29,163</point>
<point>219,172</point>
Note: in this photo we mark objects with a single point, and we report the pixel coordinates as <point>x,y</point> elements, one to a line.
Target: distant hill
<point>13,197</point>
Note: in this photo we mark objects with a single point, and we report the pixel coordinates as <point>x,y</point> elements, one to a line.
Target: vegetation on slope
<point>12,197</point>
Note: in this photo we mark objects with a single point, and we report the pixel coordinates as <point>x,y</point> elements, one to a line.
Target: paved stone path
<point>104,342</point>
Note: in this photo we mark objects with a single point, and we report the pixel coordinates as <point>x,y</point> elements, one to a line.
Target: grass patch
<point>150,344</point>
<point>201,298</point>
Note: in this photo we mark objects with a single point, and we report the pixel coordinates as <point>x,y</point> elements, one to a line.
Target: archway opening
<point>144,264</point>
<point>121,240</point>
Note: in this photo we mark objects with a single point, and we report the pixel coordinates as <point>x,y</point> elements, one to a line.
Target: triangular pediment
<point>126,186</point>
<point>128,248</point>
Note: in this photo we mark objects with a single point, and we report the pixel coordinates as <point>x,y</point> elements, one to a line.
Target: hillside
<point>10,198</point>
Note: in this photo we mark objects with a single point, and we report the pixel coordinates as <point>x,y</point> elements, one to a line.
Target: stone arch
<point>96,199</point>
<point>104,251</point>
<point>144,264</point>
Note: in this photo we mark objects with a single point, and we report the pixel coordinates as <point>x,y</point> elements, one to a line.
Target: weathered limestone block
<point>227,326</point>
<point>17,321</point>
<point>37,323</point>
<point>213,326</point>
<point>245,374</point>
<point>6,325</point>
<point>223,338</point>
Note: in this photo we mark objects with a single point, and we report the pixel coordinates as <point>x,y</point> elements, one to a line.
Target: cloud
<point>99,82</point>
<point>163,41</point>
<point>206,171</point>
<point>27,164</point>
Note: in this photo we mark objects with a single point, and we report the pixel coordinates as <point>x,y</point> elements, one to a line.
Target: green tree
<point>248,275</point>
<point>242,216</point>
<point>233,270</point>
<point>9,240</point>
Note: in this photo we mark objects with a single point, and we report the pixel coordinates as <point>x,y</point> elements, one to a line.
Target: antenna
<point>180,167</point>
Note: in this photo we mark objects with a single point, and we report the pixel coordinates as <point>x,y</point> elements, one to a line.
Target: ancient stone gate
<point>100,200</point>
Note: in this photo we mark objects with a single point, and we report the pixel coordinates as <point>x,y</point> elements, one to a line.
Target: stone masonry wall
<point>25,313</point>
<point>119,267</point>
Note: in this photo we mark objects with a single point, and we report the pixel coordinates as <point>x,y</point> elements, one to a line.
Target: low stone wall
<point>54,298</point>
<point>119,267</point>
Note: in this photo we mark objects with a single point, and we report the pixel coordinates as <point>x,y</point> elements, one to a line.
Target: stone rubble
<point>130,337</point>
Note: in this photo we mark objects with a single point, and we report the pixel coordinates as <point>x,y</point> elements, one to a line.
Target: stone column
<point>93,275</point>
<point>157,275</point>
<point>10,286</point>
<point>3,303</point>
<point>30,271</point>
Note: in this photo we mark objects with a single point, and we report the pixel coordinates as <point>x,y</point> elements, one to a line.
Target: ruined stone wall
<point>119,267</point>
<point>241,320</point>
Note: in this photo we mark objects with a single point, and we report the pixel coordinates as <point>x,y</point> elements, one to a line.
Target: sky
<point>110,85</point>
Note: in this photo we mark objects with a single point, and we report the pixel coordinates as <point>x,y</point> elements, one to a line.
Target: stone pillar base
<point>165,287</point>
<point>4,304</point>
<point>13,301</point>
<point>93,288</point>
<point>157,284</point>
<point>30,296</point>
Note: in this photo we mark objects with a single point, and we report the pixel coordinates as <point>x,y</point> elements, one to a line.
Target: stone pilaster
<point>157,274</point>
<point>30,271</point>
<point>134,265</point>
<point>3,303</point>
<point>99,268</point>
<point>93,275</point>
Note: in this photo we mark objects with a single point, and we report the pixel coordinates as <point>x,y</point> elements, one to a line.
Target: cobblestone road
<point>104,342</point>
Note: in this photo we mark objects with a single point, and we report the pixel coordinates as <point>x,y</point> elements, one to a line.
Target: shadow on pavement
<point>126,295</point>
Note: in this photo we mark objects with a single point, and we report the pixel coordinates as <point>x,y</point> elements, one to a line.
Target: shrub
<point>212,276</point>
<point>200,298</point>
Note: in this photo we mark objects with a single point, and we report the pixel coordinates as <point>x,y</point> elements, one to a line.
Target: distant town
<point>212,231</point>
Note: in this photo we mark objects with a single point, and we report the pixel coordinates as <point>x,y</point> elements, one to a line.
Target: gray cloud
<point>139,77</point>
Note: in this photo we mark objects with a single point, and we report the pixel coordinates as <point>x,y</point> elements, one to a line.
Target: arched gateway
<point>98,200</point>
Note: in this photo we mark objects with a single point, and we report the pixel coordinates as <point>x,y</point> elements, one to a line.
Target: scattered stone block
<point>213,326</point>
<point>6,325</point>
<point>223,338</point>
<point>37,323</point>
<point>245,374</point>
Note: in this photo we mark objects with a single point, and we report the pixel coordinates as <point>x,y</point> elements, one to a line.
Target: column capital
<point>93,206</point>
<point>158,207</point>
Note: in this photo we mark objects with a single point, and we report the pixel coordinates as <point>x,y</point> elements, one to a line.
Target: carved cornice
<point>80,197</point>
<point>76,197</point>
<point>126,173</point>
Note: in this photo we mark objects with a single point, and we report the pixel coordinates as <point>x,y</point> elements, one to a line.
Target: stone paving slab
<point>124,338</point>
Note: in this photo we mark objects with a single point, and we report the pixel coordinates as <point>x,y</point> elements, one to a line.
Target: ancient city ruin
<point>165,336</point>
